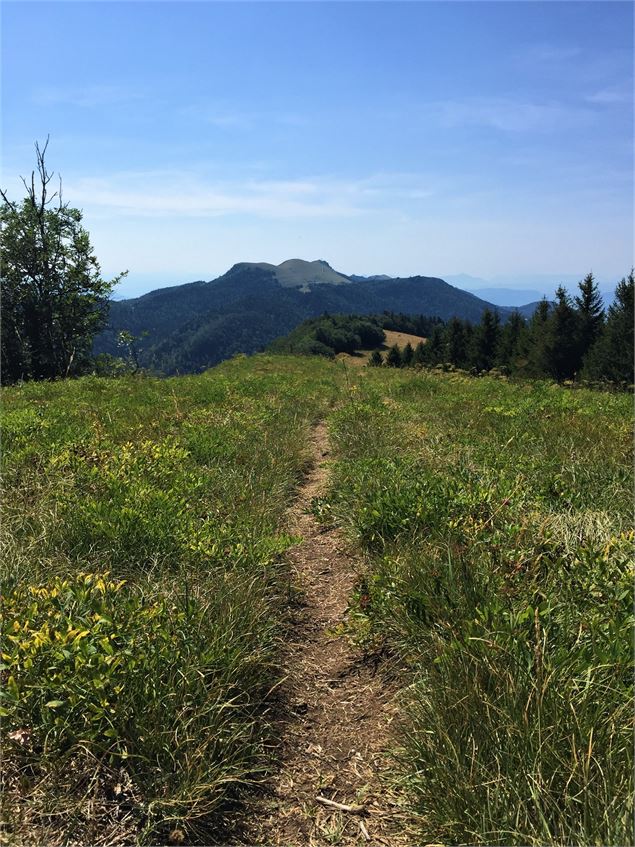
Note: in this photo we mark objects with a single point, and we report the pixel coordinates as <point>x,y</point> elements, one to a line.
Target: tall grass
<point>497,519</point>
<point>144,588</point>
<point>144,592</point>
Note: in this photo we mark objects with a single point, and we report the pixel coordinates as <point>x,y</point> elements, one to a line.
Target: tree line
<point>573,338</point>
<point>54,301</point>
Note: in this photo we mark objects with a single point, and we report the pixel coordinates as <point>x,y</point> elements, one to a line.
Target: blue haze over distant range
<point>493,139</point>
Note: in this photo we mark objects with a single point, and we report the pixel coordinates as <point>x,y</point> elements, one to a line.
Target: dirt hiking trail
<point>337,708</point>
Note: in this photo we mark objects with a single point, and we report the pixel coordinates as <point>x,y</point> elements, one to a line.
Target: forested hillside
<point>187,328</point>
<point>572,339</point>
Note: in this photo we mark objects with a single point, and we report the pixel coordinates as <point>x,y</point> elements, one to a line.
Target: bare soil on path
<point>338,706</point>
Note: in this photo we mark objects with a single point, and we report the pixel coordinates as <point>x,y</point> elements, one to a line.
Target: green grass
<point>145,595</point>
<point>144,591</point>
<point>497,520</point>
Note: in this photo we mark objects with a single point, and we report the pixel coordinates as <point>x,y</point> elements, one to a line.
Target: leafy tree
<point>54,299</point>
<point>375,360</point>
<point>129,343</point>
<point>393,357</point>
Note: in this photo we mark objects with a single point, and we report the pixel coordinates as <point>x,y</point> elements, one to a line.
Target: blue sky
<point>493,139</point>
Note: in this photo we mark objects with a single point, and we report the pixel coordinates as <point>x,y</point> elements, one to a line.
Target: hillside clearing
<point>400,339</point>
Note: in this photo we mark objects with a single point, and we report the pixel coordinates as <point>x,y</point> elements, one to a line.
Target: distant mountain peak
<point>297,273</point>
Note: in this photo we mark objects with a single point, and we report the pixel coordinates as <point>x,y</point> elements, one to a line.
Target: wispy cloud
<point>508,115</point>
<point>184,194</point>
<point>225,116</point>
<point>610,96</point>
<point>86,97</point>
<point>547,54</point>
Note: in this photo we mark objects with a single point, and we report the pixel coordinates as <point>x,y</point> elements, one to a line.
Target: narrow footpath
<point>336,727</point>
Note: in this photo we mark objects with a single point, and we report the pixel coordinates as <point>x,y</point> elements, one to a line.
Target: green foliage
<point>496,518</point>
<point>331,334</point>
<point>566,340</point>
<point>143,585</point>
<point>93,663</point>
<point>610,358</point>
<point>393,357</point>
<point>54,299</point>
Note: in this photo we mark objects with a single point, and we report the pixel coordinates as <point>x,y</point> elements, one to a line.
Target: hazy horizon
<point>542,284</point>
<point>489,139</point>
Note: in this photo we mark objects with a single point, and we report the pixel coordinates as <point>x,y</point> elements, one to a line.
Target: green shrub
<point>167,687</point>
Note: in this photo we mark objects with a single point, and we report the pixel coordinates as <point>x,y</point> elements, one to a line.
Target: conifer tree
<point>456,343</point>
<point>406,355</point>
<point>393,357</point>
<point>486,339</point>
<point>511,340</point>
<point>536,341</point>
<point>419,355</point>
<point>611,357</point>
<point>375,360</point>
<point>590,316</point>
<point>562,338</point>
<point>434,346</point>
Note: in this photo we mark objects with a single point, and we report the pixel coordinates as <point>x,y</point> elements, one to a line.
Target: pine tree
<point>393,357</point>
<point>511,340</point>
<point>486,339</point>
<point>375,360</point>
<point>456,343</point>
<point>590,316</point>
<point>406,355</point>
<point>535,344</point>
<point>434,347</point>
<point>611,357</point>
<point>419,355</point>
<point>562,338</point>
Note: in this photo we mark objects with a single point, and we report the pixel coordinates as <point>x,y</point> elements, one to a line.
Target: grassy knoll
<point>497,520</point>
<point>143,593</point>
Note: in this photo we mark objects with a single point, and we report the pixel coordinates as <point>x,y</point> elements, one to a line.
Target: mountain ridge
<point>190,327</point>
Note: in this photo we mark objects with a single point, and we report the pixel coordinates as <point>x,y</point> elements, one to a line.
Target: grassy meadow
<point>497,521</point>
<point>145,594</point>
<point>144,591</point>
